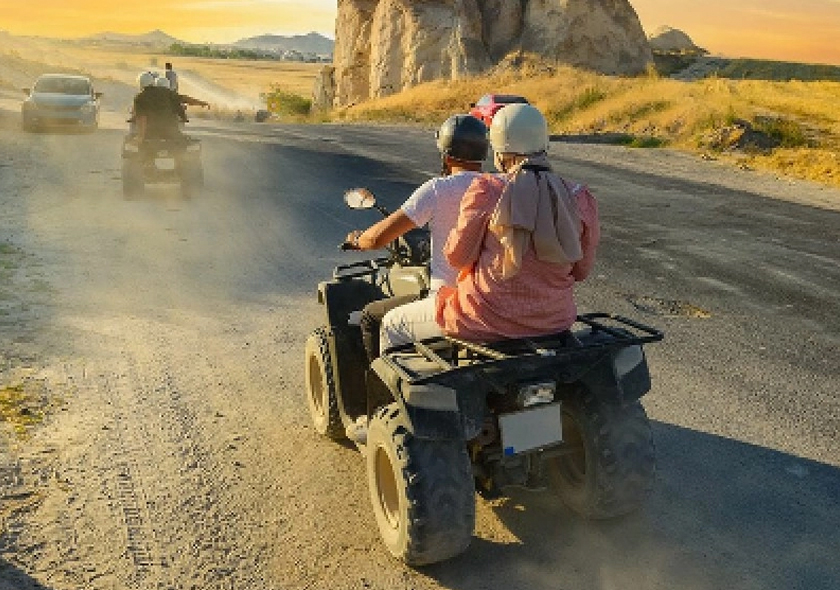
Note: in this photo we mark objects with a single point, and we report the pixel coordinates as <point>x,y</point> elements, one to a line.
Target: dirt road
<point>164,340</point>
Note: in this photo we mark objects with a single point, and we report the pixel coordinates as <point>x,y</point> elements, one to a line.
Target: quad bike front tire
<point>611,470</point>
<point>422,491</point>
<point>321,392</point>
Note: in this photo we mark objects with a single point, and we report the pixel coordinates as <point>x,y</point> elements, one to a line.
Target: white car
<point>61,100</point>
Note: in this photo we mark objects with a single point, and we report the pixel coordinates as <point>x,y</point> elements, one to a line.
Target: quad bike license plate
<point>164,162</point>
<point>534,428</point>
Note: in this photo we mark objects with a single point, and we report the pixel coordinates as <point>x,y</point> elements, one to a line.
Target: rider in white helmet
<point>145,79</point>
<point>523,238</point>
<point>156,109</point>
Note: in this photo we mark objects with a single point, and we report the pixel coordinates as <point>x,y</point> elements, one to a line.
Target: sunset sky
<point>805,30</point>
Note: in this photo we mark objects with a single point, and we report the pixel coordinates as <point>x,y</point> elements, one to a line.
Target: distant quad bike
<point>446,418</point>
<point>173,161</point>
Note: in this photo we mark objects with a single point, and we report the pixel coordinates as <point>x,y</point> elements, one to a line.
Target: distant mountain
<point>309,43</point>
<point>156,38</point>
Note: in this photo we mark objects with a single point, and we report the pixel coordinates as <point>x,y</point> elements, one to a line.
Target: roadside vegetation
<point>791,127</point>
<point>286,103</point>
<point>20,409</point>
<point>24,399</point>
<point>215,52</point>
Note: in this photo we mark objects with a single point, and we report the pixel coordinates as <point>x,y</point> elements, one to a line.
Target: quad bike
<point>446,418</point>
<point>173,160</point>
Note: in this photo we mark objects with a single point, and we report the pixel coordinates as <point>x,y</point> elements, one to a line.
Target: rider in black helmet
<point>462,139</point>
<point>463,144</point>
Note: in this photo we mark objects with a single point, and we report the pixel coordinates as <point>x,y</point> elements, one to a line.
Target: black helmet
<point>463,137</point>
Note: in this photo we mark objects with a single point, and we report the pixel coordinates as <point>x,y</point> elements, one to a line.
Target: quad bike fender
<point>434,411</point>
<point>621,377</point>
<point>342,301</point>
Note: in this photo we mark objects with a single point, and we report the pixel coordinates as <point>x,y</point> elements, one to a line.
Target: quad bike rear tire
<point>613,470</point>
<point>192,176</point>
<point>422,491</point>
<point>133,179</point>
<point>321,392</point>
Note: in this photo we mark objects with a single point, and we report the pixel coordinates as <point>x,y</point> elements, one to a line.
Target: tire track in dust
<point>140,540</point>
<point>171,480</point>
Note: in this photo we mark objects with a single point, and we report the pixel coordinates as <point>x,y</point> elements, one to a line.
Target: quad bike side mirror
<point>359,198</point>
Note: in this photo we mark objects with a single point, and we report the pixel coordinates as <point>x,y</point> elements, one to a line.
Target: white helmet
<point>145,79</point>
<point>519,129</point>
<point>161,82</point>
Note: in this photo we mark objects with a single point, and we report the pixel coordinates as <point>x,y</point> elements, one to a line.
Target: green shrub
<point>283,102</point>
<point>788,133</point>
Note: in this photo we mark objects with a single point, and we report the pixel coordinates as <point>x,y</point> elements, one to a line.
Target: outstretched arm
<point>193,101</point>
<point>382,232</point>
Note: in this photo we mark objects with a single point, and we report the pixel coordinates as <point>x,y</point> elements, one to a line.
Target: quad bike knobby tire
<point>133,177</point>
<point>321,392</point>
<point>612,472</point>
<point>422,491</point>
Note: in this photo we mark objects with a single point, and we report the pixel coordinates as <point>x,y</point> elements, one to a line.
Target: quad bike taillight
<point>534,394</point>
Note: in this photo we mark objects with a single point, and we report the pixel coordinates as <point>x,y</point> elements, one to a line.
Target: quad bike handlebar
<point>411,249</point>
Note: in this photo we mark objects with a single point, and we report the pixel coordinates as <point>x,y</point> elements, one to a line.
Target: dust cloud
<point>114,73</point>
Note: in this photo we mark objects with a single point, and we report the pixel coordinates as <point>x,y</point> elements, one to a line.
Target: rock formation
<point>385,46</point>
<point>670,40</point>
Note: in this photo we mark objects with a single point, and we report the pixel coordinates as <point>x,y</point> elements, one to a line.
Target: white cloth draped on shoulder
<point>537,207</point>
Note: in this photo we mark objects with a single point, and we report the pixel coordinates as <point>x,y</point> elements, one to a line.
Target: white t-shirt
<point>438,202</point>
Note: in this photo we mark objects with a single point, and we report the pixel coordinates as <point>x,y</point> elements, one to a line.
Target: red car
<point>489,104</point>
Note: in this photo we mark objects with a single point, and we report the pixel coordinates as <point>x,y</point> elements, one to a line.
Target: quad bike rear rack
<point>447,361</point>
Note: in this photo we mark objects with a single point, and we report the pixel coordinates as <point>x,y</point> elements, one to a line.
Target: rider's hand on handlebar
<point>351,242</point>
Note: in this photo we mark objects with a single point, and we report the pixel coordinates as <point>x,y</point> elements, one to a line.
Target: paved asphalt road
<point>745,285</point>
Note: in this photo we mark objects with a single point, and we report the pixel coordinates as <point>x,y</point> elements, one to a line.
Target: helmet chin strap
<point>445,168</point>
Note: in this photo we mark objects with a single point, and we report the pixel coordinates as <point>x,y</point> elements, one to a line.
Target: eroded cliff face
<point>385,46</point>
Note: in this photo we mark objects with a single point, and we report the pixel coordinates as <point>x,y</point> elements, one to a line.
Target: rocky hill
<point>309,43</point>
<point>671,40</point>
<point>156,39</point>
<point>385,46</point>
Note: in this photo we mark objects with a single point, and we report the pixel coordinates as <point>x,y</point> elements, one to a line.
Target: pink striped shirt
<point>538,300</point>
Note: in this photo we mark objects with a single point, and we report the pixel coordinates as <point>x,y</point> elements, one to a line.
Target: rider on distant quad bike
<point>155,149</point>
<point>158,109</point>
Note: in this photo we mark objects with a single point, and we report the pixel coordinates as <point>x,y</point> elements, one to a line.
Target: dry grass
<point>797,123</point>
<point>19,409</point>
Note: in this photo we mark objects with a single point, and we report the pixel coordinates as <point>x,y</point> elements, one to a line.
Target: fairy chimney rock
<point>385,46</point>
